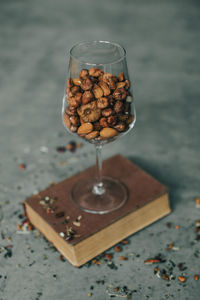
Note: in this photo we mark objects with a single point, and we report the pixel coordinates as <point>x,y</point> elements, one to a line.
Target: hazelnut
<point>84,74</point>
<point>98,92</point>
<point>89,112</point>
<point>121,76</point>
<point>86,84</point>
<point>102,102</point>
<point>120,94</point>
<point>118,107</point>
<point>95,72</point>
<point>103,122</point>
<point>107,112</point>
<point>112,120</point>
<point>87,97</point>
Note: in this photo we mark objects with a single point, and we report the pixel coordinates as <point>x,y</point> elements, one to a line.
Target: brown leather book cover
<point>142,189</point>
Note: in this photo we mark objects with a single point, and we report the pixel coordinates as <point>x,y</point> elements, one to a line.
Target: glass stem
<point>98,188</point>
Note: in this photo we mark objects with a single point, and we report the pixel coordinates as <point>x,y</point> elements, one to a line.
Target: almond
<point>92,135</point>
<point>85,128</point>
<point>108,132</point>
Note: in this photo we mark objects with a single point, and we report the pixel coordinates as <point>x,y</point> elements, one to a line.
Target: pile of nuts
<point>99,105</point>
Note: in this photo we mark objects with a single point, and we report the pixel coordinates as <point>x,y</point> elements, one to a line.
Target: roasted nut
<point>84,74</point>
<point>95,72</point>
<point>70,111</point>
<point>120,127</point>
<point>102,102</point>
<point>77,81</point>
<point>182,278</point>
<point>86,84</point>
<point>108,132</point>
<point>89,112</point>
<point>107,112</point>
<point>98,92</point>
<point>78,97</point>
<point>108,78</point>
<point>112,120</point>
<point>120,94</point>
<point>94,79</point>
<point>128,84</point>
<point>97,126</point>
<point>66,120</point>
<point>73,128</point>
<point>73,102</point>
<point>121,84</point>
<point>130,119</point>
<point>105,88</point>
<point>85,128</point>
<point>121,76</point>
<point>123,118</point>
<point>103,122</point>
<point>87,97</point>
<point>127,108</point>
<point>74,120</point>
<point>111,101</point>
<point>118,107</point>
<point>75,89</point>
<point>69,83</point>
<point>92,135</point>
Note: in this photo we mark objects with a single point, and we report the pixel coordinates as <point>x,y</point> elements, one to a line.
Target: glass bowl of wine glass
<point>98,106</point>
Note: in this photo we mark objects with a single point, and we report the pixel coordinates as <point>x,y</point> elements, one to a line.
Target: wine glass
<point>98,106</point>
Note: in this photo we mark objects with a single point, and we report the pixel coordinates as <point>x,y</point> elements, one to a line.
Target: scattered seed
<point>169,225</point>
<point>123,258</point>
<point>197,223</point>
<point>197,201</point>
<point>109,256</point>
<point>125,242</point>
<point>79,218</point>
<point>170,246</point>
<point>89,294</point>
<point>62,234</point>
<point>196,277</point>
<point>152,261</point>
<point>61,257</point>
<point>118,249</point>
<point>22,166</point>
<point>182,278</point>
<point>60,214</point>
<point>78,224</point>
<point>177,227</point>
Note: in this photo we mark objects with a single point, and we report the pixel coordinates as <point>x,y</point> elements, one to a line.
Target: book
<point>80,236</point>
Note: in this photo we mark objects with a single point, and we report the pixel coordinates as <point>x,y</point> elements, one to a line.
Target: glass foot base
<point>113,197</point>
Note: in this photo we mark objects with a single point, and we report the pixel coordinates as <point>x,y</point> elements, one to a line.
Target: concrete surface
<point>162,41</point>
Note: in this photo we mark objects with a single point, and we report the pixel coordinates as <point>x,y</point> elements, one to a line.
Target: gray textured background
<point>162,41</point>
